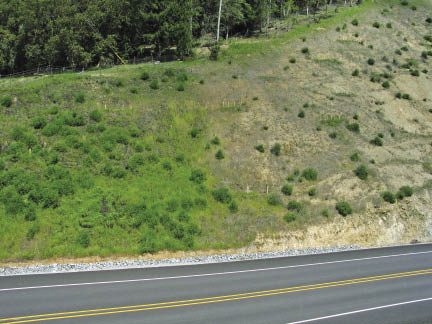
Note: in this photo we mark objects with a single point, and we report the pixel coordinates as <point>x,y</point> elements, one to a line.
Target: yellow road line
<point>209,300</point>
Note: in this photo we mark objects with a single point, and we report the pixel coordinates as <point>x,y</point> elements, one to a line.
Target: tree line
<point>86,33</point>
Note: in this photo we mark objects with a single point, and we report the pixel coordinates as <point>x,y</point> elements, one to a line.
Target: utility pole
<point>219,19</point>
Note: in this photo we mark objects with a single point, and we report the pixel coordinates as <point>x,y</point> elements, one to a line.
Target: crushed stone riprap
<point>130,264</point>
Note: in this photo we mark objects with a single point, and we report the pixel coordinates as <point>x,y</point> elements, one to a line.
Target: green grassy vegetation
<point>141,159</point>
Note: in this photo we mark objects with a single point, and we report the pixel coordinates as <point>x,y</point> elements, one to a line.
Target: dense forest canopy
<point>86,33</point>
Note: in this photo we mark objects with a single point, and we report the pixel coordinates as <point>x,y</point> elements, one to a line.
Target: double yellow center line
<point>209,300</point>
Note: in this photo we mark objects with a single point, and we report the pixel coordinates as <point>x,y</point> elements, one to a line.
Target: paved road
<point>390,285</point>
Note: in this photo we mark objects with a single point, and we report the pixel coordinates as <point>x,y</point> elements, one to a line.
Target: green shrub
<point>2,165</point>
<point>404,48</point>
<point>118,173</point>
<point>32,231</point>
<point>371,61</point>
<point>377,141</point>
<point>388,197</point>
<point>80,98</point>
<point>260,148</point>
<point>85,179</point>
<point>333,135</point>
<point>290,217</point>
<point>274,200</point>
<point>344,208</point>
<point>353,127</point>
<point>6,101</point>
<point>60,147</point>
<point>301,114</point>
<point>310,174</point>
<point>220,155</point>
<point>235,76</point>
<point>287,190</point>
<point>233,207</point>
<point>415,73</point>
<point>356,73</point>
<point>180,87</point>
<point>154,84</point>
<point>406,96</point>
<point>325,213</point>
<point>389,25</point>
<point>414,8</point>
<point>276,149</point>
<point>222,195</point>
<point>83,239</point>
<point>361,172</point>
<point>182,77</point>
<point>145,76</point>
<point>170,72</point>
<point>135,161</point>
<point>198,176</point>
<point>95,115</point>
<point>404,3</point>
<point>75,119</point>
<point>202,81</point>
<point>12,201</point>
<point>195,132</point>
<point>398,52</point>
<point>355,22</point>
<point>355,157</point>
<point>292,60</point>
<point>404,191</point>
<point>312,192</point>
<point>295,206</point>
<point>39,122</point>
<point>214,52</point>
<point>305,50</point>
<point>376,24</point>
<point>429,20</point>
<point>216,141</point>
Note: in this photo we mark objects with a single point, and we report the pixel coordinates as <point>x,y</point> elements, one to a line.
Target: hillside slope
<point>139,159</point>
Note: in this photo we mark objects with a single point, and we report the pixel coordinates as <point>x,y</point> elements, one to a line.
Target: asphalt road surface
<point>389,285</point>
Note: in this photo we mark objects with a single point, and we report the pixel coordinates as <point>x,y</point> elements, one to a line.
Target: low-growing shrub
<point>415,73</point>
<point>305,50</point>
<point>371,61</point>
<point>6,101</point>
<point>344,208</point>
<point>260,148</point>
<point>389,25</point>
<point>180,87</point>
<point>220,155</point>
<point>80,97</point>
<point>136,161</point>
<point>216,141</point>
<point>95,115</point>
<point>312,192</point>
<point>39,122</point>
<point>377,141</point>
<point>290,217</point>
<point>355,22</point>
<point>182,77</point>
<point>398,52</point>
<point>333,135</point>
<point>154,84</point>
<point>356,73</point>
<point>274,200</point>
<point>83,239</point>
<point>292,60</point>
<point>404,191</point>
<point>145,76</point>
<point>301,114</point>
<point>198,176</point>
<point>233,207</point>
<point>376,24</point>
<point>310,174</point>
<point>287,190</point>
<point>362,172</point>
<point>353,127</point>
<point>195,132</point>
<point>222,195</point>
<point>355,157</point>
<point>386,84</point>
<point>388,197</point>
<point>276,149</point>
<point>295,206</point>
<point>118,172</point>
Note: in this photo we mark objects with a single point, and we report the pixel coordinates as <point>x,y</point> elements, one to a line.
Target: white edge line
<point>212,262</point>
<point>362,311</point>
<point>214,273</point>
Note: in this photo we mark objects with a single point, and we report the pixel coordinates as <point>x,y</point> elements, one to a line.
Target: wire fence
<point>50,69</point>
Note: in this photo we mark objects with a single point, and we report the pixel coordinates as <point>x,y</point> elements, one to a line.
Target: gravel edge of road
<point>134,264</point>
